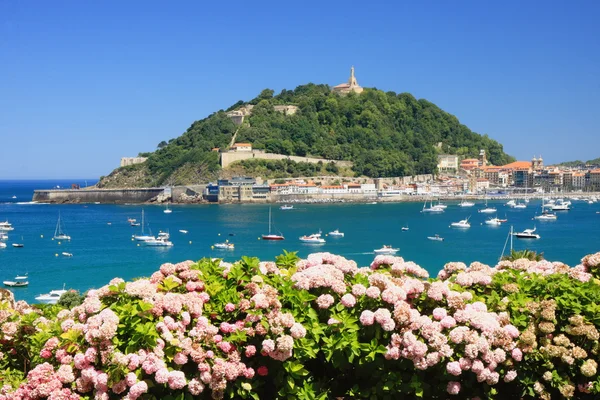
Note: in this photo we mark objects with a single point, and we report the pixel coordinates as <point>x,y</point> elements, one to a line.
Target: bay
<point>102,251</point>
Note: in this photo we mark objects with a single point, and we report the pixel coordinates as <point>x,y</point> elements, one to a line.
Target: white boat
<point>224,246</point>
<point>546,215</point>
<point>183,231</point>
<point>561,206</point>
<point>2,245</point>
<point>441,205</point>
<point>286,207</point>
<point>167,210</point>
<point>487,210</point>
<point>336,233</point>
<point>527,234</point>
<point>520,205</point>
<point>52,297</point>
<point>143,237</point>
<point>14,197</point>
<point>64,253</point>
<point>19,281</point>
<point>315,238</point>
<point>272,236</point>
<point>431,208</point>
<point>386,250</point>
<point>494,221</point>
<point>6,226</point>
<point>59,233</point>
<point>436,238</point>
<point>161,241</point>
<point>3,236</point>
<point>461,224</point>
<point>511,203</point>
<point>465,203</point>
<point>18,245</point>
<point>405,228</point>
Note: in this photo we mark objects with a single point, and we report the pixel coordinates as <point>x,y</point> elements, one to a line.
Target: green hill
<point>578,163</point>
<point>383,133</point>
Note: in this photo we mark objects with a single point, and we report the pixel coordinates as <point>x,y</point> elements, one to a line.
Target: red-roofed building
<point>518,165</point>
<point>245,147</point>
<point>469,163</point>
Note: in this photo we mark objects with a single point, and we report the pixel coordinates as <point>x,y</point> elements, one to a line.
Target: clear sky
<point>84,83</point>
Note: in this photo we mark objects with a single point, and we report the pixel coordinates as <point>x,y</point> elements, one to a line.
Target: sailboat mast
<point>511,238</point>
<point>143,221</point>
<point>269,220</point>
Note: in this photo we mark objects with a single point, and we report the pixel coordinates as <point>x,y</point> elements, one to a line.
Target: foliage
<point>70,299</point>
<point>579,163</point>
<point>317,328</point>
<point>527,254</point>
<point>272,169</point>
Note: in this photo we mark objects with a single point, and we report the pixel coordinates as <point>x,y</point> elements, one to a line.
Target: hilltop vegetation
<point>577,163</point>
<point>383,133</point>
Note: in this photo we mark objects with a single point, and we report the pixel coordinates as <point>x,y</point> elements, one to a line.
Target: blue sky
<point>85,83</point>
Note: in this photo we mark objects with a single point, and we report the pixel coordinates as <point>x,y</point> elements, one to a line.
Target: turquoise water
<point>102,252</point>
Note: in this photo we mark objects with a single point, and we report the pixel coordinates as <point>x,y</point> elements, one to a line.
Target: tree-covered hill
<point>579,163</point>
<point>383,133</point>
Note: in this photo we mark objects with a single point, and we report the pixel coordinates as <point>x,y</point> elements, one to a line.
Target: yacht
<point>224,246</point>
<point>561,206</point>
<point>527,234</point>
<point>59,233</point>
<point>19,281</point>
<point>436,238</point>
<point>520,205</point>
<point>465,203</point>
<point>386,250</point>
<point>336,233</point>
<point>461,224</point>
<point>431,208</point>
<point>183,231</point>
<point>441,205</point>
<point>52,297</point>
<point>64,253</point>
<point>161,241</point>
<point>272,236</point>
<point>315,238</point>
<point>487,210</point>
<point>143,236</point>
<point>286,207</point>
<point>546,215</point>
<point>6,226</point>
<point>494,221</point>
<point>3,236</point>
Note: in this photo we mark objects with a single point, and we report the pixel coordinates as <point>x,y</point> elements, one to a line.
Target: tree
<point>527,254</point>
<point>162,144</point>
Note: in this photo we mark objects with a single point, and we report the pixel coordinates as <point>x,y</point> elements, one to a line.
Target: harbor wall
<point>114,196</point>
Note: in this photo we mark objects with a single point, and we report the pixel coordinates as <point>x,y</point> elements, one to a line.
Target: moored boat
<point>6,226</point>
<point>59,233</point>
<point>315,238</point>
<point>224,246</point>
<point>336,233</point>
<point>286,207</point>
<point>527,234</point>
<point>461,224</point>
<point>52,297</point>
<point>436,238</point>
<point>19,281</point>
<point>386,249</point>
<point>272,236</point>
<point>493,221</point>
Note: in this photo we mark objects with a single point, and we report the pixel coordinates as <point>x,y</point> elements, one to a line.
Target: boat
<point>162,240</point>
<point>527,234</point>
<point>336,233</point>
<point>465,203</point>
<point>64,253</point>
<point>441,205</point>
<point>503,220</point>
<point>52,297</point>
<point>405,228</point>
<point>315,238</point>
<point>511,203</point>
<point>431,208</point>
<point>386,250</point>
<point>561,206</point>
<point>494,221</point>
<point>142,237</point>
<point>461,224</point>
<point>167,210</point>
<point>131,220</point>
<point>14,197</point>
<point>183,231</point>
<point>286,207</point>
<point>546,215</point>
<point>2,245</point>
<point>19,281</point>
<point>3,236</point>
<point>520,205</point>
<point>6,226</point>
<point>487,210</point>
<point>59,234</point>
<point>272,236</point>
<point>224,246</point>
<point>17,245</point>
<point>436,238</point>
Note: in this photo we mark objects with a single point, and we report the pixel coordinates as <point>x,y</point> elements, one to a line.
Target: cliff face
<point>381,133</point>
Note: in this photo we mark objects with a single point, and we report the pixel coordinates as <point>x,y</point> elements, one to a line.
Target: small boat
<point>183,231</point>
<point>52,297</point>
<point>131,220</point>
<point>494,221</point>
<point>17,245</point>
<point>59,234</point>
<point>19,281</point>
<point>143,237</point>
<point>561,206</point>
<point>14,197</point>
<point>404,228</point>
<point>461,224</point>
<point>546,215</point>
<point>3,236</point>
<point>520,205</point>
<point>6,226</point>
<point>64,253</point>
<point>315,238</point>
<point>441,205</point>
<point>135,224</point>
<point>466,204</point>
<point>527,234</point>
<point>436,238</point>
<point>286,207</point>
<point>161,241</point>
<point>511,203</point>
<point>224,246</point>
<point>336,233</point>
<point>503,220</point>
<point>487,210</point>
<point>373,202</point>
<point>272,236</point>
<point>2,245</point>
<point>96,202</point>
<point>431,208</point>
<point>386,250</point>
<point>167,210</point>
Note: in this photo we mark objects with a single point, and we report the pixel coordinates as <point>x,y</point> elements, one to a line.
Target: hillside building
<point>351,86</point>
<point>447,163</point>
<point>126,161</point>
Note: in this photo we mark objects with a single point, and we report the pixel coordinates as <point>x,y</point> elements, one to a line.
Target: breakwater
<point>111,196</point>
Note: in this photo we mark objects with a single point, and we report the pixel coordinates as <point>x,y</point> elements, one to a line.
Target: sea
<point>102,246</point>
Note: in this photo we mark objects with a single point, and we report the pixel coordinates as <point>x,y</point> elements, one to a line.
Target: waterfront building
<point>351,86</point>
<point>594,180</point>
<point>353,188</point>
<point>522,177</point>
<point>578,181</point>
<point>482,184</point>
<point>333,189</point>
<point>469,163</point>
<point>447,163</point>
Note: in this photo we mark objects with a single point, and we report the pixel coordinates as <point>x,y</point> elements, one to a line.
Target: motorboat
<point>167,210</point>
<point>2,245</point>
<point>386,250</point>
<point>561,206</point>
<point>315,238</point>
<point>493,221</point>
<point>6,226</point>
<point>59,233</point>
<point>14,197</point>
<point>143,236</point>
<point>224,246</point>
<point>18,245</point>
<point>336,233</point>
<point>436,238</point>
<point>511,203</point>
<point>431,208</point>
<point>52,297</point>
<point>286,207</point>
<point>520,205</point>
<point>404,228</point>
<point>183,231</point>
<point>466,204</point>
<point>3,236</point>
<point>19,281</point>
<point>272,236</point>
<point>461,224</point>
<point>527,234</point>
<point>64,253</point>
<point>161,241</point>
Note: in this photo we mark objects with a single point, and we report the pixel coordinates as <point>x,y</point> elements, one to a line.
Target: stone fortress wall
<point>227,158</point>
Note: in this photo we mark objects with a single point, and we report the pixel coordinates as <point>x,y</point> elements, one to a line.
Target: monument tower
<point>351,86</point>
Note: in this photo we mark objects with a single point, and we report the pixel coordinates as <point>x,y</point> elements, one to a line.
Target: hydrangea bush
<point>316,328</point>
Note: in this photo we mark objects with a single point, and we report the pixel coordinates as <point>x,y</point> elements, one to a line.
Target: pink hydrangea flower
<point>453,388</point>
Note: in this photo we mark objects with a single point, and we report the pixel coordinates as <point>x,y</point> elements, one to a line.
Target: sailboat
<point>143,236</point>
<point>487,210</point>
<point>59,234</point>
<point>546,215</point>
<point>271,236</point>
<point>431,208</point>
<point>167,210</point>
